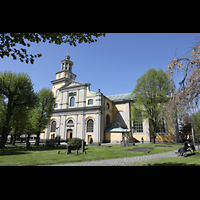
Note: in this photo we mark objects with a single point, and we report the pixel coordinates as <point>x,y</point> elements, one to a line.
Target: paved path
<point>123,161</point>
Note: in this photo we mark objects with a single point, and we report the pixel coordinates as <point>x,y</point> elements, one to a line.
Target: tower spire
<point>67,56</point>
<point>66,68</point>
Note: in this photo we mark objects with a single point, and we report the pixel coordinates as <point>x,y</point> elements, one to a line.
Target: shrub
<point>75,143</point>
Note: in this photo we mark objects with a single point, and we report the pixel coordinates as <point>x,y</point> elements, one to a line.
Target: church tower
<point>64,76</point>
<point>66,69</point>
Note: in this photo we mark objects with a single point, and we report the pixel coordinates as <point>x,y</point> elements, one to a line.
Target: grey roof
<point>117,130</point>
<point>120,97</point>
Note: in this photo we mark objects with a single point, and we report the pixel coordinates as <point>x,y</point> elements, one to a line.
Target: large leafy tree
<point>187,68</point>
<point>19,122</point>
<point>8,42</point>
<point>2,111</point>
<point>16,92</point>
<point>151,93</point>
<point>196,123</point>
<point>40,115</point>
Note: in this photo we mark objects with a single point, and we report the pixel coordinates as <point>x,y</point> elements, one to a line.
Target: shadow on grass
<point>24,150</point>
<point>11,152</point>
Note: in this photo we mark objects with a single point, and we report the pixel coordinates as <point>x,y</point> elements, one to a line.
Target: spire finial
<point>67,56</point>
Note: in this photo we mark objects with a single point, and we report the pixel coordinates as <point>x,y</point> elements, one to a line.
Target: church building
<point>81,113</point>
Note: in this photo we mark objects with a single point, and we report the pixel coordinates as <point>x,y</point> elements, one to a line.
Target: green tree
<point>8,42</point>
<point>17,91</point>
<point>196,123</point>
<point>2,111</point>
<point>19,122</point>
<point>150,94</point>
<point>40,115</point>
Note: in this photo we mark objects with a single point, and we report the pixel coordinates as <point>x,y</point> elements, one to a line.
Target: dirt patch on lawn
<point>162,146</point>
<point>138,150</point>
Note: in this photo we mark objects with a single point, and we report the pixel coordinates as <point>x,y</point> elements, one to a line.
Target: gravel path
<point>123,161</point>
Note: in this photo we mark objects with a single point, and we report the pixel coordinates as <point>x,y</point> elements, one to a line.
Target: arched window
<point>70,122</point>
<point>90,125</point>
<point>72,101</point>
<point>53,126</point>
<point>107,121</point>
<point>90,102</point>
<point>56,105</point>
<point>108,105</point>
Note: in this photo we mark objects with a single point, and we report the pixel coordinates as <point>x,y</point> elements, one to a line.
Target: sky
<point>113,63</point>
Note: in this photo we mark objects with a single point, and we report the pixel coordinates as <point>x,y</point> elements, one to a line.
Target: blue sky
<point>113,63</point>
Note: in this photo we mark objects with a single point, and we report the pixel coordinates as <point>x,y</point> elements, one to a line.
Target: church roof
<point>120,97</point>
<point>117,130</point>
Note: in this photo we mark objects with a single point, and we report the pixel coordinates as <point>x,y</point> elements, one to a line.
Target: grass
<point>48,156</point>
<point>190,160</point>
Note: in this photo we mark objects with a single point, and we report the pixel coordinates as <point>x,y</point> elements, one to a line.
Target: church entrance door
<point>89,138</point>
<point>69,133</point>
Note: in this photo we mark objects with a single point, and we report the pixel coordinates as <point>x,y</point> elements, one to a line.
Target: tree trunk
<point>5,130</point>
<point>11,139</point>
<point>14,139</point>
<point>175,128</point>
<point>37,139</point>
<point>27,141</point>
<point>154,139</point>
<point>3,140</point>
<point>196,133</point>
<point>153,131</point>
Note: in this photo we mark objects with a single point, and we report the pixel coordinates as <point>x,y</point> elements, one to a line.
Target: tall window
<point>72,101</point>
<point>160,127</point>
<point>90,102</point>
<point>138,126</point>
<point>107,121</point>
<point>90,125</point>
<point>53,126</point>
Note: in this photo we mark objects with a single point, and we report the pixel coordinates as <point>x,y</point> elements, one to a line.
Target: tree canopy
<point>16,93</point>
<point>40,115</point>
<point>21,109</point>
<point>187,67</point>
<point>8,42</point>
<point>150,94</point>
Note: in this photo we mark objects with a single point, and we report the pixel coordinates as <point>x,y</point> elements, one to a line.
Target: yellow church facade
<point>82,113</point>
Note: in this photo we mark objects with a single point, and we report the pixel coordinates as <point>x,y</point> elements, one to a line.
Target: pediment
<point>72,84</point>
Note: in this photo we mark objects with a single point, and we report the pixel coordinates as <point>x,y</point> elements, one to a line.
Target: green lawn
<point>45,156</point>
<point>192,160</point>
